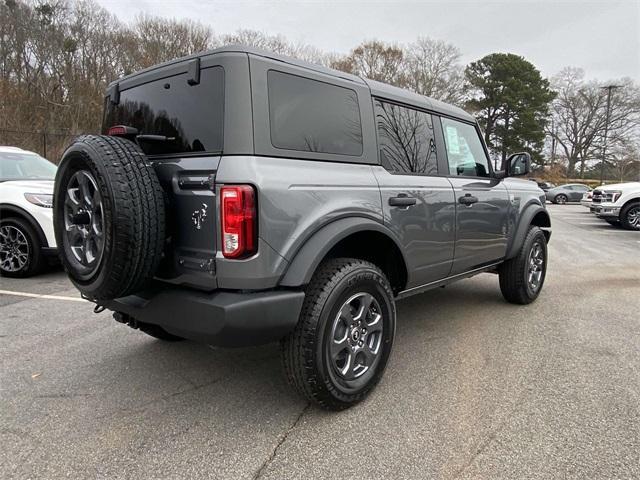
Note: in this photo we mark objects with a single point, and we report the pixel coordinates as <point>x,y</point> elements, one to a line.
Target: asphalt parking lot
<point>476,387</point>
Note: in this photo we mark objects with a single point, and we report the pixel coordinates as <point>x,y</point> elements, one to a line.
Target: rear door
<point>481,201</point>
<point>577,191</point>
<point>418,204</point>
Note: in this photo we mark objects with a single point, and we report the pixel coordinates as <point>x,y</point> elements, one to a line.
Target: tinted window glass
<point>312,116</point>
<point>406,139</point>
<point>191,116</point>
<point>464,149</point>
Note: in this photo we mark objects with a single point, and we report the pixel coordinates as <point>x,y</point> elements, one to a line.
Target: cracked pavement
<point>475,388</point>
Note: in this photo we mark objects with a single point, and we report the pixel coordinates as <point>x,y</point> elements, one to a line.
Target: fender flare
<point>309,256</point>
<point>526,217</point>
<point>22,213</point>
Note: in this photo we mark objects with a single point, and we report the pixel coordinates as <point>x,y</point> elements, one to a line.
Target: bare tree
<point>579,117</point>
<point>275,43</point>
<point>160,40</point>
<point>624,159</point>
<point>374,60</point>
<point>58,56</point>
<point>433,69</point>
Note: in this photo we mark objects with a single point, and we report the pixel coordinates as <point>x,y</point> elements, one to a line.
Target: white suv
<point>618,203</point>
<point>26,217</point>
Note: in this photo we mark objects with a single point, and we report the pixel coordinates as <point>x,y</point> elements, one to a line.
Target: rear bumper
<point>223,318</point>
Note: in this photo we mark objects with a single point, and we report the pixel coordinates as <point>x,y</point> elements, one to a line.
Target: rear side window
<point>312,116</point>
<point>191,116</point>
<point>405,139</point>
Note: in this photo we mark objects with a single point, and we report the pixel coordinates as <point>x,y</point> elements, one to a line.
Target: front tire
<point>522,277</point>
<point>630,216</point>
<point>20,249</point>
<point>340,347</point>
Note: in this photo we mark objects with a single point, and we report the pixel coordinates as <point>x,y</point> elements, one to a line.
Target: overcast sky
<point>602,37</point>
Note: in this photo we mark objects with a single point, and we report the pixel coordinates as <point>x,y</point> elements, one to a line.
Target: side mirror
<point>518,164</point>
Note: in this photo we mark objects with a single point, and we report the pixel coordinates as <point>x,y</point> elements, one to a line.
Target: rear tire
<point>560,199</point>
<point>109,216</point>
<point>340,347</point>
<point>20,249</point>
<point>522,277</point>
<point>630,216</point>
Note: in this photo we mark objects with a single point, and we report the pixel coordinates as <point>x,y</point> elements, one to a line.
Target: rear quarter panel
<point>295,199</point>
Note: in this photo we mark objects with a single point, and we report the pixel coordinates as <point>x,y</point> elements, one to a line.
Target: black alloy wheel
<point>83,223</point>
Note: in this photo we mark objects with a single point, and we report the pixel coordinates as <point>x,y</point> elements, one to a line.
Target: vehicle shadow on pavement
<point>187,367</point>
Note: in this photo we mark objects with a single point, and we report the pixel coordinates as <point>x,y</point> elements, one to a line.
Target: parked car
<point>27,240</point>
<point>542,184</point>
<point>586,200</point>
<point>239,197</point>
<point>571,192</point>
<point>618,204</point>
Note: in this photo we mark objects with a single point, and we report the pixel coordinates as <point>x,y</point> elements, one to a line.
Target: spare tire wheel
<point>109,216</point>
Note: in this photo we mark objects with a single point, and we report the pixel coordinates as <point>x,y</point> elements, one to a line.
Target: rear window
<point>312,116</point>
<point>191,116</point>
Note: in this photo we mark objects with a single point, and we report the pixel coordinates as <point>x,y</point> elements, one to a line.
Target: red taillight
<point>238,219</point>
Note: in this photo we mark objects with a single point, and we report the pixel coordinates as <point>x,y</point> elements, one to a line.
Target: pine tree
<point>511,100</point>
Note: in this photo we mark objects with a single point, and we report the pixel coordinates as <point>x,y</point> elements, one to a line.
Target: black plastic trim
<point>526,217</point>
<point>193,71</point>
<point>223,318</point>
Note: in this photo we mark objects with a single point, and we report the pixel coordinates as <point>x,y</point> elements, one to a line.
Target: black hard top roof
<point>378,89</point>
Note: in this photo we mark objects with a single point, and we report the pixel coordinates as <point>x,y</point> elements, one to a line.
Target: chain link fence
<point>50,145</point>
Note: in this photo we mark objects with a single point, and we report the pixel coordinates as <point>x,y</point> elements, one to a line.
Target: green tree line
<point>57,56</point>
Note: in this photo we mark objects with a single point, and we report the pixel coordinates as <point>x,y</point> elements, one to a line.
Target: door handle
<point>402,200</point>
<point>468,199</point>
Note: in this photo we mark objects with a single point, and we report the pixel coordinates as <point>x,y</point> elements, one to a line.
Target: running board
<point>445,281</point>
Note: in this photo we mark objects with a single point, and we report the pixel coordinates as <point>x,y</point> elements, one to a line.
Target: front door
<point>481,201</point>
<point>418,204</point>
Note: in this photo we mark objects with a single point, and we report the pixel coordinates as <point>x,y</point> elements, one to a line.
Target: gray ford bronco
<point>238,197</point>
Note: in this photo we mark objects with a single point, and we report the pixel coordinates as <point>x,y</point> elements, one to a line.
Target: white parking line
<point>37,295</point>
<point>580,214</point>
<point>601,224</point>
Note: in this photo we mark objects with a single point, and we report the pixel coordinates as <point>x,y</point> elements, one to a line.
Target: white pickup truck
<point>618,204</point>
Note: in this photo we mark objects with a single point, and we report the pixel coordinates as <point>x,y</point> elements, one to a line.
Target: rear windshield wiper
<point>155,138</point>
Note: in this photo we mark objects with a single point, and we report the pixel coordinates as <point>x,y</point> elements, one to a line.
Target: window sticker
<point>453,143</point>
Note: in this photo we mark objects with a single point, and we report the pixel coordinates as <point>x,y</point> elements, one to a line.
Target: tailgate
<point>188,184</point>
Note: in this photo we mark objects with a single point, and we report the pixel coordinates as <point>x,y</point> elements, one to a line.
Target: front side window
<point>312,116</point>
<point>191,117</point>
<point>465,153</point>
<point>25,166</point>
<point>405,139</point>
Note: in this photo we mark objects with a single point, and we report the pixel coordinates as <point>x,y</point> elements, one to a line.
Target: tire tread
<point>136,209</point>
<point>299,348</point>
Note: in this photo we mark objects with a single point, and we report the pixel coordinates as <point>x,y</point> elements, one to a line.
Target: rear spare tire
<point>108,216</point>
